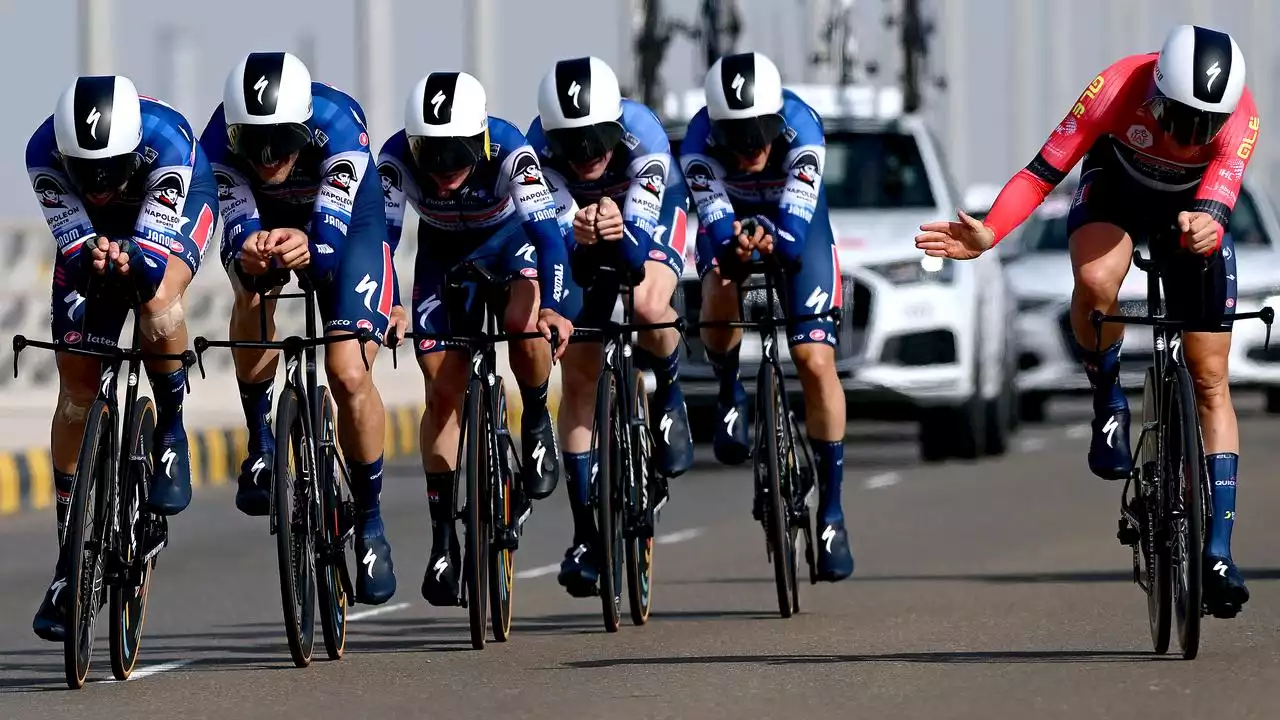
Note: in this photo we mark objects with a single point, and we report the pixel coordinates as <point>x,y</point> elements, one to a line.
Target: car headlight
<point>923,270</point>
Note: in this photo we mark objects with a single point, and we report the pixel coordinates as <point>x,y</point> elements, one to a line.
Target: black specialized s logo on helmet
<point>94,99</point>
<point>1212,64</point>
<point>738,78</point>
<point>573,86</point>
<point>262,72</point>
<point>437,98</point>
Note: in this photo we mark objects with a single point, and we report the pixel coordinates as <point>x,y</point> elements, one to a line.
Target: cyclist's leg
<point>530,359</point>
<point>366,260</point>
<point>164,330</point>
<point>659,350</point>
<point>720,303</point>
<point>1206,354</point>
<point>77,387</point>
<point>817,288</point>
<point>1103,214</point>
<point>256,376</point>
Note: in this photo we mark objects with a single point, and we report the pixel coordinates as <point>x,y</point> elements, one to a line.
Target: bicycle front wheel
<point>608,508</point>
<point>1153,546</point>
<point>640,549</point>
<point>502,560</point>
<point>129,596</point>
<point>86,530</point>
<point>291,516</point>
<point>476,563</point>
<point>776,521</point>
<point>331,551</point>
<point>1184,509</point>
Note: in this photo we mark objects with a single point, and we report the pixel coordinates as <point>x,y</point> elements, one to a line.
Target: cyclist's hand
<point>584,225</point>
<point>765,246</point>
<point>290,246</point>
<point>1201,234</point>
<point>548,319</point>
<point>964,239</point>
<point>399,321</point>
<point>608,220</point>
<point>98,251</point>
<point>747,244</point>
<point>254,257</point>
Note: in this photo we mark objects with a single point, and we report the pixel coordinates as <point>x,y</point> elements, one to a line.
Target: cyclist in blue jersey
<point>756,151</point>
<point>124,187</point>
<point>607,161</point>
<point>479,193</point>
<point>293,166</point>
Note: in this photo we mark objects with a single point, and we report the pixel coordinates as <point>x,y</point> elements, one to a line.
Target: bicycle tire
<point>502,561</point>
<point>476,548</point>
<point>776,520</point>
<point>639,550</point>
<point>1154,552</point>
<point>608,519</point>
<point>129,596</point>
<point>789,462</point>
<point>331,554</point>
<point>294,553</point>
<point>1185,511</point>
<point>92,470</point>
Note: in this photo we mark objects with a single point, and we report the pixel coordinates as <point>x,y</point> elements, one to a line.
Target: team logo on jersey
<point>1067,127</point>
<point>342,176</point>
<point>525,171</point>
<point>390,179</point>
<point>653,177</point>
<point>1233,172</point>
<point>50,191</point>
<point>169,190</point>
<point>1140,137</point>
<point>700,176</point>
<point>805,168</point>
<point>225,185</point>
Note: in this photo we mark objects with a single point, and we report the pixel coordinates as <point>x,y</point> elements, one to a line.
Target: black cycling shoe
<point>672,438</point>
<point>1224,590</point>
<point>440,581</point>
<point>835,560</point>
<point>51,619</point>
<point>578,573</point>
<point>1109,456</point>
<point>731,441</point>
<point>541,462</point>
<point>253,498</point>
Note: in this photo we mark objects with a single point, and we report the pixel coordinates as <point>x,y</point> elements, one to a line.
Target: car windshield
<point>872,170</point>
<point>1046,230</point>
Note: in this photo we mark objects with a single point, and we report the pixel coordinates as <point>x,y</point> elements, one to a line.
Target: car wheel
<point>999,426</point>
<point>958,432</point>
<point>1031,406</point>
<point>1272,396</point>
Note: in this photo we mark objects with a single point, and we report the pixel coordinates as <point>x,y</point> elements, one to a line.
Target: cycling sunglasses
<point>268,144</point>
<point>104,175</point>
<point>447,154</point>
<point>581,144</point>
<point>1187,126</point>
<point>746,134</point>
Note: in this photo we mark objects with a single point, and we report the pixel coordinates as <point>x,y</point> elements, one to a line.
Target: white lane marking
<point>155,670</point>
<point>1078,432</point>
<point>536,572</point>
<point>376,611</point>
<point>1032,444</point>
<point>678,536</point>
<point>884,479</point>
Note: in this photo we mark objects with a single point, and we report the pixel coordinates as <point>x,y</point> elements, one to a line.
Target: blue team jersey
<point>149,210</point>
<point>788,191</point>
<point>505,187</point>
<point>327,193</point>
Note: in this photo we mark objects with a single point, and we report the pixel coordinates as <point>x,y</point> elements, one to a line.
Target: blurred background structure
<point>991,77</point>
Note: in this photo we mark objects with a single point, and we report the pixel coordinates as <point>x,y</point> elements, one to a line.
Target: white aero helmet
<point>267,103</point>
<point>1199,82</point>
<point>580,106</point>
<point>446,120</point>
<point>744,101</point>
<point>98,127</point>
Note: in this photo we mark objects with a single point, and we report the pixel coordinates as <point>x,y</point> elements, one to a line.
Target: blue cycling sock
<point>62,486</point>
<point>1103,370</point>
<point>255,398</point>
<point>169,389</point>
<point>534,401</point>
<point>440,490</point>
<point>1222,478</point>
<point>829,458</point>
<point>366,481</point>
<point>577,468</point>
<point>725,366</point>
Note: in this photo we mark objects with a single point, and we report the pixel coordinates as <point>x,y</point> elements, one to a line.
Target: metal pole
<point>1027,105</point>
<point>1260,64</point>
<point>954,16</point>
<point>374,63</point>
<point>95,37</point>
<point>481,30</point>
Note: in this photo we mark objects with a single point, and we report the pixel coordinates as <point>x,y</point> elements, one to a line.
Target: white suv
<point>921,339</point>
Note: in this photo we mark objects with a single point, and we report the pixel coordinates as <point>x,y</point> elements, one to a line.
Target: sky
<point>1018,64</point>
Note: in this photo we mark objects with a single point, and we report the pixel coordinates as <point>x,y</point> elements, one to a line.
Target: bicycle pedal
<point>1128,534</point>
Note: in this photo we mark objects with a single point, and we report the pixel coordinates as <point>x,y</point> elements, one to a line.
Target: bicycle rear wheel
<point>1184,510</point>
<point>476,562</point>
<point>502,560</point>
<point>639,550</point>
<point>776,521</point>
<point>86,531</point>
<point>129,595</point>
<point>1153,547</point>
<point>608,508</point>
<point>331,528</point>
<point>291,505</point>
